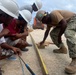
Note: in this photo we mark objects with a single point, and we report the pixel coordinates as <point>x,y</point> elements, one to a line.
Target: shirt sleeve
<point>2,40</point>
<point>56,16</point>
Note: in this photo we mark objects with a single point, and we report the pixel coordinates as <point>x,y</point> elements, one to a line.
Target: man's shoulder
<point>54,11</point>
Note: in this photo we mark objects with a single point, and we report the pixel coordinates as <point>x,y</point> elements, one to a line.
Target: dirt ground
<point>55,63</point>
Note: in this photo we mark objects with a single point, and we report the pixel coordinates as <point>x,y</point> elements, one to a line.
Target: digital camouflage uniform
<point>70,36</point>
<point>70,17</point>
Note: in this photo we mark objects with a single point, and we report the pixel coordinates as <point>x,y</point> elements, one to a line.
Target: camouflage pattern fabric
<point>70,37</point>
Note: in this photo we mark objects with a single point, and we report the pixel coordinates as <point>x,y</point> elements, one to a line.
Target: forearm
<point>45,35</point>
<point>1,35</point>
<point>16,50</point>
<point>21,35</point>
<point>25,34</point>
<point>6,46</point>
<point>62,30</point>
<point>4,32</point>
<point>63,25</point>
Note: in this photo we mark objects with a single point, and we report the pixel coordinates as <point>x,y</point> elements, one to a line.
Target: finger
<point>15,52</point>
<point>19,53</point>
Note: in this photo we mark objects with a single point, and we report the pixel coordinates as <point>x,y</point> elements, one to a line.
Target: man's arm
<point>45,34</point>
<point>63,25</point>
<point>3,44</point>
<point>6,46</point>
<point>16,50</point>
<point>4,32</point>
<point>20,35</point>
<point>23,34</point>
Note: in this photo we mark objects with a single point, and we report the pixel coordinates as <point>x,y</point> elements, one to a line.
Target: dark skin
<point>5,31</point>
<point>45,34</point>
<point>6,19</point>
<point>16,50</point>
<point>62,24</point>
<point>34,7</point>
<point>6,46</point>
<point>19,25</point>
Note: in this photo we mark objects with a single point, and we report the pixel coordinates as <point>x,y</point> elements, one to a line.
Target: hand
<point>41,42</point>
<point>17,51</point>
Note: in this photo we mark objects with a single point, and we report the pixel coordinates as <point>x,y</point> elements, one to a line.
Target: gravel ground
<point>55,63</point>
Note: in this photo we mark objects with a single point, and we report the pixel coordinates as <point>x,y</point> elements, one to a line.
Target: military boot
<point>63,50</point>
<point>71,68</point>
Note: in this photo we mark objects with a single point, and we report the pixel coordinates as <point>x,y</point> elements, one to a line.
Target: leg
<point>27,44</point>
<point>54,36</point>
<point>71,43</point>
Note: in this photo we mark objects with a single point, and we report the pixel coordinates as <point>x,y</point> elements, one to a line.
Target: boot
<point>24,49</point>
<point>63,50</point>
<point>71,69</point>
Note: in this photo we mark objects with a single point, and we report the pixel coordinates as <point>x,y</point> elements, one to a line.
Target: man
<point>6,15</point>
<point>64,22</point>
<point>17,29</point>
<point>34,7</point>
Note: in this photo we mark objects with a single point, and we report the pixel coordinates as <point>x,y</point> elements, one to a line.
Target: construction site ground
<point>55,63</point>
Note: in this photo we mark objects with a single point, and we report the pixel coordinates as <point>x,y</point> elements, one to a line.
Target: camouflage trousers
<point>70,36</point>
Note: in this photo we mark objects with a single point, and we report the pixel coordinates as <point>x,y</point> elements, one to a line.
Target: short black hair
<point>20,17</point>
<point>34,7</point>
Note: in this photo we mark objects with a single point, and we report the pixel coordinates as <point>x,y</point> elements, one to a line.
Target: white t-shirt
<point>2,39</point>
